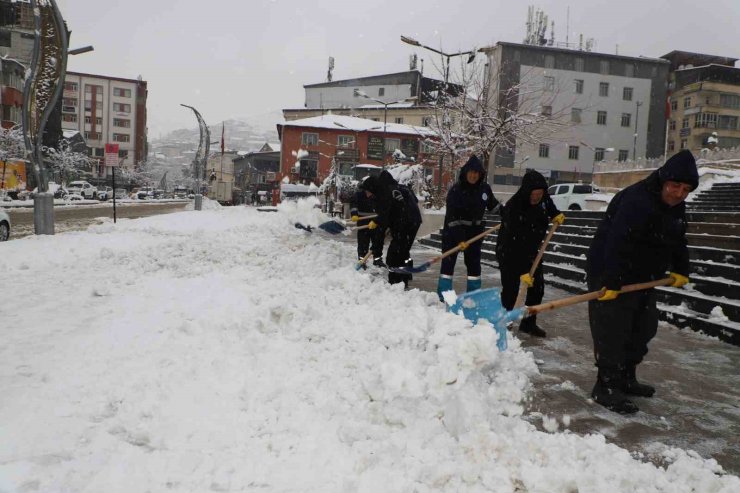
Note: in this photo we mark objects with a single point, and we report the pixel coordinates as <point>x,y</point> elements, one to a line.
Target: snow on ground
<point>227,350</point>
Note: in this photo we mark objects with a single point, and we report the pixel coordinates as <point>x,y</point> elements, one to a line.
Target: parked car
<point>571,196</point>
<point>4,226</point>
<point>72,197</point>
<point>83,188</point>
<point>105,194</point>
<point>145,193</point>
<point>121,193</point>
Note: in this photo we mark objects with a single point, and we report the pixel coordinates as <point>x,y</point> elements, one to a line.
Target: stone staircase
<point>721,197</point>
<point>714,248</point>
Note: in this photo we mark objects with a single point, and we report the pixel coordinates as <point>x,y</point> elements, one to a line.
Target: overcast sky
<point>248,58</point>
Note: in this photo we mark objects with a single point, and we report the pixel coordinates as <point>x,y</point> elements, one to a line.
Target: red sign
<point>111,154</point>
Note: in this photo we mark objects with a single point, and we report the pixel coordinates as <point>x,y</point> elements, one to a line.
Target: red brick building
<point>308,146</point>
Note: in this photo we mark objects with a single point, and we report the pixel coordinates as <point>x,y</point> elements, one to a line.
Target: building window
<point>575,115</point>
<point>121,138</point>
<point>70,86</point>
<point>120,122</point>
<point>684,144</point>
<point>69,118</point>
<point>629,70</point>
<point>309,139</point>
<point>729,100</point>
<point>381,91</point>
<point>118,107</point>
<point>579,65</point>
<point>579,86</point>
<point>308,169</point>
<point>671,146</point>
<point>544,150</point>
<point>687,102</point>
<point>705,120</point>
<point>121,93</point>
<point>601,117</point>
<point>672,125</point>
<point>626,117</point>
<point>89,88</point>
<point>599,154</point>
<point>399,119</point>
<point>604,67</point>
<point>427,148</point>
<point>604,89</point>
<point>674,105</point>
<point>623,155</point>
<point>375,119</point>
<point>92,135</point>
<point>391,145</point>
<point>627,94</point>
<point>573,152</point>
<point>345,141</point>
<point>547,111</point>
<point>549,83</point>
<point>727,122</point>
<point>685,122</point>
<point>123,153</point>
<point>549,61</point>
<point>426,121</point>
<point>69,102</point>
<point>98,121</point>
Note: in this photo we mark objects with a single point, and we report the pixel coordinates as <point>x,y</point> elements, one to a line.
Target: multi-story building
<point>107,110</point>
<point>309,146</point>
<point>704,102</point>
<point>409,92</point>
<point>599,106</point>
<point>16,30</point>
<point>12,78</point>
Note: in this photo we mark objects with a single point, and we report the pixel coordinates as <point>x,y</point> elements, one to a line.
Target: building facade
<point>16,30</point>
<point>107,110</point>
<point>599,106</point>
<point>310,146</point>
<point>704,102</point>
<point>12,78</point>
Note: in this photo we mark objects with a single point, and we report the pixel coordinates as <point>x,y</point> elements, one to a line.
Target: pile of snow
<point>226,350</point>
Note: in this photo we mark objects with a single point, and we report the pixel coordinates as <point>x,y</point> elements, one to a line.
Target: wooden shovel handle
<point>572,300</point>
<point>363,260</point>
<point>457,248</point>
<point>540,253</point>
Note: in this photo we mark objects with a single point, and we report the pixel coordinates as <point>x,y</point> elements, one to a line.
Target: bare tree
<point>485,115</point>
<point>11,143</point>
<point>65,161</point>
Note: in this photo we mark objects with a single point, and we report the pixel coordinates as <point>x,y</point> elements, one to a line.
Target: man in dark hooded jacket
<point>642,236</point>
<point>524,223</point>
<point>363,204</point>
<point>397,209</point>
<point>467,201</point>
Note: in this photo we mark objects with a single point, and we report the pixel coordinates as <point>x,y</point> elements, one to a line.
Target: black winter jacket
<point>641,237</point>
<point>467,203</point>
<point>396,205</point>
<point>524,226</point>
<point>362,205</point>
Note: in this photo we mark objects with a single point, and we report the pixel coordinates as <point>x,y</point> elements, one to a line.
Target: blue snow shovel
<point>333,227</point>
<point>486,304</point>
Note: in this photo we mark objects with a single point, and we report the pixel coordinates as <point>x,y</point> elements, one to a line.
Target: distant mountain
<point>240,134</point>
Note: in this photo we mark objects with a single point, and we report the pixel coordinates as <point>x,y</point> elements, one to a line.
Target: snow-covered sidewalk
<point>226,350</point>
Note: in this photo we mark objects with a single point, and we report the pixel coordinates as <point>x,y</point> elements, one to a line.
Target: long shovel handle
<point>540,253</point>
<point>572,300</point>
<point>471,240</point>
<point>363,260</point>
<point>371,216</point>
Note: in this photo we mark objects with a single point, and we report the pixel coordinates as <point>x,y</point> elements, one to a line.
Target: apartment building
<point>107,110</point>
<point>402,98</point>
<point>16,30</point>
<point>12,78</point>
<point>598,107</point>
<point>704,102</point>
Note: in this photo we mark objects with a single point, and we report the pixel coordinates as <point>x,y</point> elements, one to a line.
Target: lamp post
<point>362,94</point>
<point>201,156</point>
<point>446,69</point>
<point>634,137</point>
<point>593,164</point>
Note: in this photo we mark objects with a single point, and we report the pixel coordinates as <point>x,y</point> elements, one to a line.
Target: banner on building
<point>111,154</point>
<point>13,176</point>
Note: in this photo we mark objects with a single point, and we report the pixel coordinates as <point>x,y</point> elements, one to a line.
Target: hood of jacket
<point>473,164</point>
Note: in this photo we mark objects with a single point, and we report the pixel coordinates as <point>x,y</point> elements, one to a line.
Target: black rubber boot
<point>608,391</point>
<point>529,326</point>
<point>633,387</point>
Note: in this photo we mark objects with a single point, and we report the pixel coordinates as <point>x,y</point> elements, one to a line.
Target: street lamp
<point>445,56</point>
<point>593,164</point>
<point>81,50</point>
<point>363,94</point>
<point>201,156</point>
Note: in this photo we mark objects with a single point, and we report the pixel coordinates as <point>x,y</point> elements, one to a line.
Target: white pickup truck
<point>572,196</point>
